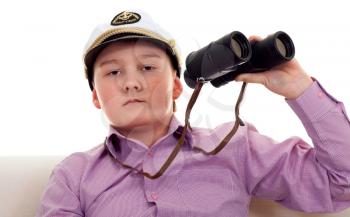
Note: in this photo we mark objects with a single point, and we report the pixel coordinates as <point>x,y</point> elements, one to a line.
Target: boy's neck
<point>147,134</point>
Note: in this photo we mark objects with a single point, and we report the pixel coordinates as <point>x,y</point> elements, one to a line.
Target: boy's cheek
<point>109,101</point>
<point>162,94</point>
<point>106,92</point>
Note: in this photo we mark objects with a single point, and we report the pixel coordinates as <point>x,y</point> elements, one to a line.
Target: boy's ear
<point>95,100</point>
<point>177,90</point>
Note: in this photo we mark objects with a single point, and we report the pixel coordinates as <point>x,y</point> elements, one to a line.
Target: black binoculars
<point>222,60</point>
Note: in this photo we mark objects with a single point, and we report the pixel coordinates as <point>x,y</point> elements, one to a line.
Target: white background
<point>45,102</point>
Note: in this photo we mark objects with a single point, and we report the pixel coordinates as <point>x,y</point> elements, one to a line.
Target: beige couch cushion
<point>23,179</point>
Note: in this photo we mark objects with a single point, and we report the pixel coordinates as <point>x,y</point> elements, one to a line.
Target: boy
<point>133,70</point>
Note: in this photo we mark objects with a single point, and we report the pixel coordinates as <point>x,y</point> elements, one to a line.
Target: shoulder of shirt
<point>207,138</point>
<point>77,162</point>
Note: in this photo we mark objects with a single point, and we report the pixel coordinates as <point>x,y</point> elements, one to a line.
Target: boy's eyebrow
<point>150,55</point>
<point>108,62</point>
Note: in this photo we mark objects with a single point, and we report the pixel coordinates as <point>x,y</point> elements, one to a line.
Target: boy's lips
<point>130,101</point>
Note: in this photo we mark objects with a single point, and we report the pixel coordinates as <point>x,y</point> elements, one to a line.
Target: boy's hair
<point>128,25</point>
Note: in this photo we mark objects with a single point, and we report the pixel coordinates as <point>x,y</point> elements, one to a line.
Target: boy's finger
<point>251,78</point>
<point>255,38</point>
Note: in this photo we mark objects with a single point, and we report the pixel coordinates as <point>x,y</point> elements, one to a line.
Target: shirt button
<point>149,154</point>
<point>320,94</point>
<point>154,196</point>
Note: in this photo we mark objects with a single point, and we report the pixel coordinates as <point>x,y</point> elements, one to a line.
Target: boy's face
<point>135,84</point>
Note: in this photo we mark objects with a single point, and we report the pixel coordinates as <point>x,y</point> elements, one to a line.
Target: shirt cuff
<point>313,103</point>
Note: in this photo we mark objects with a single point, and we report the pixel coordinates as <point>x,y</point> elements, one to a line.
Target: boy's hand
<point>288,79</point>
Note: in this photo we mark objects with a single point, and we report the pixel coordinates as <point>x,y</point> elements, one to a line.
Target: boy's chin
<point>132,123</point>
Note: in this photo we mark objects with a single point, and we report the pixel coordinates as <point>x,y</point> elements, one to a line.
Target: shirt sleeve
<point>292,172</point>
<point>61,196</point>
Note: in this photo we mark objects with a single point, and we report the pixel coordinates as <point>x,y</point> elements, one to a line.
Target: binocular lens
<point>280,47</point>
<point>240,46</point>
<point>236,47</point>
<point>284,45</point>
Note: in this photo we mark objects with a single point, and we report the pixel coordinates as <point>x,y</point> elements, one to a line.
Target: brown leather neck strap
<point>183,134</point>
<point>238,122</point>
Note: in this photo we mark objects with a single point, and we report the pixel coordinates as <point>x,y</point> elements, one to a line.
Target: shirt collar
<point>120,146</point>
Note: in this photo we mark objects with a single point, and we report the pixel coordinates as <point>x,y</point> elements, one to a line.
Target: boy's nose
<point>132,82</point>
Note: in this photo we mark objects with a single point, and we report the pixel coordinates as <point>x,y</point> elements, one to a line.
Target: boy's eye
<point>114,72</point>
<point>147,68</point>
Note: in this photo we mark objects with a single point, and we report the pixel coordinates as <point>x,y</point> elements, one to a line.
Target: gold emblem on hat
<point>125,17</point>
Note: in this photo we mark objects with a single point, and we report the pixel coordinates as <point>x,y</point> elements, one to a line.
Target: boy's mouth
<point>131,101</point>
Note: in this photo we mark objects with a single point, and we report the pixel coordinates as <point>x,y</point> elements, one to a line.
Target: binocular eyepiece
<point>221,61</point>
